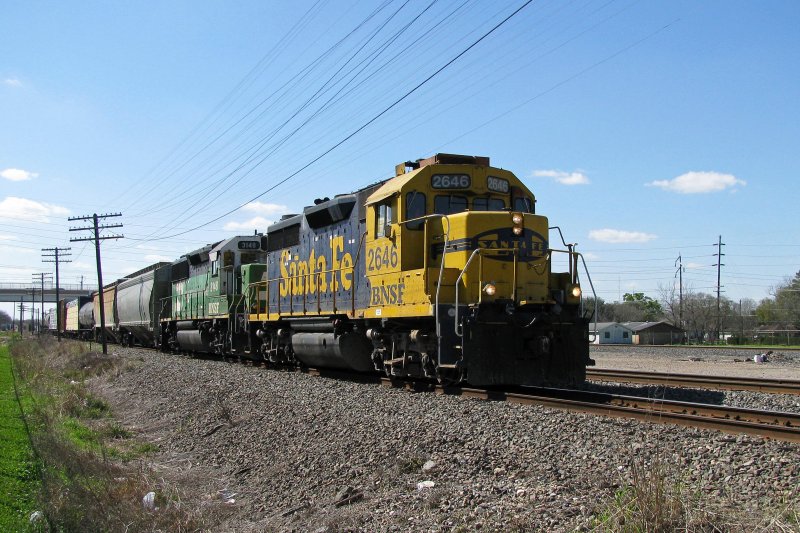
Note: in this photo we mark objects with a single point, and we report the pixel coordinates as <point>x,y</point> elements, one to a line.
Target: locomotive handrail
<point>479,252</point>
<point>593,336</point>
<point>317,274</point>
<point>361,241</point>
<point>575,254</point>
<point>441,273</point>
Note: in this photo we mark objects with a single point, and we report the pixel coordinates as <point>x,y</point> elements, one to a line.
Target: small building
<point>661,332</point>
<point>611,333</point>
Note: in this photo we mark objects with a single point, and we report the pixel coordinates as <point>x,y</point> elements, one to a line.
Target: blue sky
<point>645,129</point>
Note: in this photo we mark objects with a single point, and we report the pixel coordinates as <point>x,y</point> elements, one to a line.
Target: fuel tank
<point>193,340</point>
<point>349,351</point>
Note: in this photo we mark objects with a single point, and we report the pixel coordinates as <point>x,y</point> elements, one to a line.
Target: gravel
<point>784,364</point>
<point>293,452</point>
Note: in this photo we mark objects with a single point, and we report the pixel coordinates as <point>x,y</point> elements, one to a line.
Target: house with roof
<point>661,332</point>
<point>611,333</point>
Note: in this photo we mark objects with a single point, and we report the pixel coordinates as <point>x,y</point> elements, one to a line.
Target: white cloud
<point>12,82</point>
<point>699,183</point>
<point>620,236</point>
<point>589,256</point>
<point>564,178</point>
<point>158,258</point>
<point>255,223</point>
<point>266,209</point>
<point>8,237</point>
<point>266,214</point>
<point>80,265</point>
<point>17,174</point>
<point>14,208</point>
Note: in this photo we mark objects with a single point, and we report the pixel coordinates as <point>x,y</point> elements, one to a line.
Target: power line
<point>363,126</point>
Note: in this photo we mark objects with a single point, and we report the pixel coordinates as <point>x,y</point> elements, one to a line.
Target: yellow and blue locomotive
<point>443,271</point>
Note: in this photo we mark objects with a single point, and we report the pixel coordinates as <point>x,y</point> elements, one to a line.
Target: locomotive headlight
<point>575,292</point>
<point>489,289</point>
<point>516,218</point>
<point>517,230</point>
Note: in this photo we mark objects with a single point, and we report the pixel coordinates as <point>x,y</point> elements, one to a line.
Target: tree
<point>650,309</point>
<point>671,303</point>
<point>784,307</point>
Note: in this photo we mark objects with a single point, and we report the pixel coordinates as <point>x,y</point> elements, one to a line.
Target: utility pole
<point>33,305</point>
<point>57,257</point>
<point>41,276</point>
<point>719,264</point>
<point>679,263</point>
<point>21,316</point>
<point>97,238</point>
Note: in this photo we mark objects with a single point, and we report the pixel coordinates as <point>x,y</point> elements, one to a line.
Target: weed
<point>410,465</point>
<point>116,431</point>
<point>656,501</point>
<point>222,406</point>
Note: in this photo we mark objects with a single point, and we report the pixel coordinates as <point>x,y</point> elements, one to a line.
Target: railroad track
<point>770,424</point>
<point>779,386</point>
<point>775,425</point>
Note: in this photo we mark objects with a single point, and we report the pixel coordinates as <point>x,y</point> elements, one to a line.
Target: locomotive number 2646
<point>380,258</point>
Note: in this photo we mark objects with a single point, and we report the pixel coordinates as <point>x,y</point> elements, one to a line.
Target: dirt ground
<point>782,364</point>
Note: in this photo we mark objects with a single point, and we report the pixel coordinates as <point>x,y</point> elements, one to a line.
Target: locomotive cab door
<point>413,233</point>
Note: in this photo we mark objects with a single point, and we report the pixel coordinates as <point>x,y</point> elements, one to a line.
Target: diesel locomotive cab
<point>205,309</point>
<point>454,246</point>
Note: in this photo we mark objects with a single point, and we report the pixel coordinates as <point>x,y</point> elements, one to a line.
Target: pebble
<point>299,438</point>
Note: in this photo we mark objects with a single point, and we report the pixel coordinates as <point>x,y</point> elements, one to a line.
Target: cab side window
<point>523,204</point>
<point>447,204</point>
<point>384,215</point>
<point>415,208</point>
<point>488,204</point>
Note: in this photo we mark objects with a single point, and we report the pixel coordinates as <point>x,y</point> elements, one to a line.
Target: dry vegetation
<point>95,474</point>
<point>655,500</point>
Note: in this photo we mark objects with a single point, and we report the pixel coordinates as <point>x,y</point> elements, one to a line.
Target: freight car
<point>108,299</point>
<point>442,272</point>
<point>141,301</point>
<point>78,321</point>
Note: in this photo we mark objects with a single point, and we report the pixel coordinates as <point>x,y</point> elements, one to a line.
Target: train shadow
<point>660,392</point>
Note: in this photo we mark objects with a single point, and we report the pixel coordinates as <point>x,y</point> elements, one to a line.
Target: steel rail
<point>770,424</point>
<point>778,386</point>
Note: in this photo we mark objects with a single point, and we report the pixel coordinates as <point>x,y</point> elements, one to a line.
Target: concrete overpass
<point>14,292</point>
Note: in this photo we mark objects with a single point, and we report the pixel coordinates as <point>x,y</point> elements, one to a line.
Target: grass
<point>19,480</point>
<point>93,470</point>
